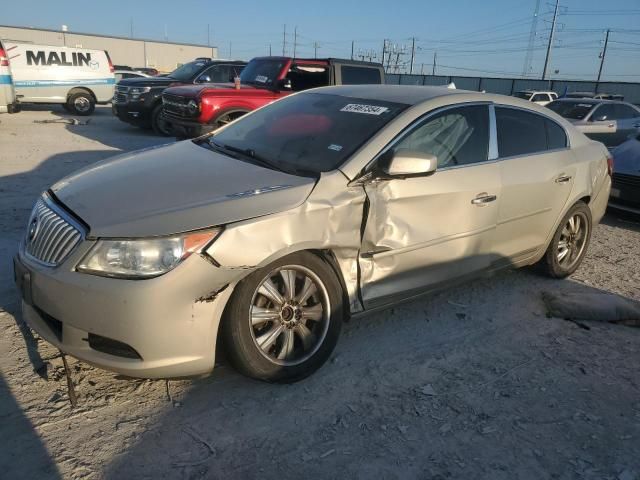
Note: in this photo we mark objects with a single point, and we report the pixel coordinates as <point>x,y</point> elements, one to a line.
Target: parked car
<point>8,102</point>
<point>138,101</point>
<point>122,74</point>
<point>152,72</point>
<point>326,204</point>
<point>123,67</point>
<point>77,78</point>
<point>625,191</point>
<point>196,110</point>
<point>535,96</point>
<point>597,96</point>
<point>606,121</point>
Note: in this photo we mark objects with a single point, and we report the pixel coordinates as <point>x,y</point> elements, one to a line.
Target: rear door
<point>423,231</point>
<point>537,171</point>
<point>7,94</point>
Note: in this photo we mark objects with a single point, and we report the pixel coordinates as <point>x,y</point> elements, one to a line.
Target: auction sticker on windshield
<point>262,79</point>
<point>367,109</point>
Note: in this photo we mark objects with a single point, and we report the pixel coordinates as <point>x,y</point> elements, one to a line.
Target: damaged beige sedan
<point>264,236</point>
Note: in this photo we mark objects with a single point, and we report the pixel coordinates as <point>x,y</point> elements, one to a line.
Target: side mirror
<point>204,79</point>
<point>284,84</point>
<point>407,163</point>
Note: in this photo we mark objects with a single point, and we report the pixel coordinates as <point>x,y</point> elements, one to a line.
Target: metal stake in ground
<point>70,388</point>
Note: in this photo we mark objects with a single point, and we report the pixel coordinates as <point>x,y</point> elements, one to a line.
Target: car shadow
<point>23,454</point>
<point>622,219</point>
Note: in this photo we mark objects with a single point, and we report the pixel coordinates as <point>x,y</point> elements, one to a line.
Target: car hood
<point>626,157</point>
<point>175,188</point>
<point>149,82</point>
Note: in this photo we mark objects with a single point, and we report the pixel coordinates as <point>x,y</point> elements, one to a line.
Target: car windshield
<point>524,95</point>
<point>571,110</point>
<point>262,71</point>
<point>307,133</point>
<point>187,71</point>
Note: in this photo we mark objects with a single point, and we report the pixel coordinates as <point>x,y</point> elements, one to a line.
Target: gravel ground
<point>475,382</point>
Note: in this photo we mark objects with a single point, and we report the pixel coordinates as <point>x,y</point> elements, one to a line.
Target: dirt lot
<point>473,383</point>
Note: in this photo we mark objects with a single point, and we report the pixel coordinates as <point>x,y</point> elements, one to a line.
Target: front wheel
<point>283,321</point>
<point>227,118</point>
<point>159,126</point>
<point>569,244</point>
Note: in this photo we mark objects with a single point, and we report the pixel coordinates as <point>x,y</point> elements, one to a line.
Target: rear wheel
<point>284,320</point>
<point>158,125</point>
<point>569,244</point>
<point>81,103</point>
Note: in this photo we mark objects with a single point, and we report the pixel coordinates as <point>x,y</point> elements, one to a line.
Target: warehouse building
<point>164,56</point>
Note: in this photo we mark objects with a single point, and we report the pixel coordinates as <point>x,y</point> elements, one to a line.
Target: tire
<point>81,103</point>
<point>158,125</point>
<point>284,341</point>
<point>227,117</point>
<point>569,244</point>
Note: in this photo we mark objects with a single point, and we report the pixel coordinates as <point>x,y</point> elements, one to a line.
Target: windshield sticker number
<point>366,109</point>
<point>335,147</point>
<point>262,79</point>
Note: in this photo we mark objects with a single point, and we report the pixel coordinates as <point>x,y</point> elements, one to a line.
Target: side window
<point>215,74</point>
<point>556,136</point>
<point>359,75</point>
<point>457,136</point>
<point>553,96</point>
<point>520,132</point>
<point>539,97</point>
<point>625,111</point>
<point>603,112</point>
<point>304,77</point>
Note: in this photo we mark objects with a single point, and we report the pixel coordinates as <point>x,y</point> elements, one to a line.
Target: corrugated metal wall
<point>164,56</point>
<point>507,86</point>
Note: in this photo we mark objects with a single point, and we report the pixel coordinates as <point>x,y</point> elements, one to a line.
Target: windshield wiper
<point>248,152</point>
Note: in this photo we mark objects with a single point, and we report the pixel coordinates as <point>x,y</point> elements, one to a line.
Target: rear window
<point>571,110</point>
<point>520,132</point>
<point>360,75</point>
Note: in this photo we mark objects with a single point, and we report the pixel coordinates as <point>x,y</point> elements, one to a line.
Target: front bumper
<point>135,114</point>
<point>625,192</point>
<point>155,328</point>
<point>181,127</point>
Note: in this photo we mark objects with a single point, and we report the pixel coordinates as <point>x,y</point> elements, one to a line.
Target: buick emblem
<point>33,229</point>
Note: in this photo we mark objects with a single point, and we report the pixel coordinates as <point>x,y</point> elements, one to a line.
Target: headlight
<point>136,92</point>
<point>143,258</point>
<point>193,106</point>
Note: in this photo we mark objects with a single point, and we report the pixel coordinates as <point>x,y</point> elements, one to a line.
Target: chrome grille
<point>50,238</point>
<point>120,95</point>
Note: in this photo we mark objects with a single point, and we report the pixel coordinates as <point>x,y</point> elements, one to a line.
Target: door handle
<point>611,125</point>
<point>563,178</point>
<point>483,198</point>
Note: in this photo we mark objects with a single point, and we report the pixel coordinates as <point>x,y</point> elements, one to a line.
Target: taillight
<point>4,61</point>
<point>111,69</point>
<point>609,164</point>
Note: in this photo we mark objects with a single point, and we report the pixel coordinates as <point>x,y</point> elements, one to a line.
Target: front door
<point>422,231</point>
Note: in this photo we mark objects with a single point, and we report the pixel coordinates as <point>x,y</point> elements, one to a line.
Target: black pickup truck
<point>138,101</point>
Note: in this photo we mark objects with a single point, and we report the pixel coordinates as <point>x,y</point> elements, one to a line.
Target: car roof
<point>406,94</point>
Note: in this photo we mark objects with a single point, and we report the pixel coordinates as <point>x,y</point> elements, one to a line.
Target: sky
<point>488,38</point>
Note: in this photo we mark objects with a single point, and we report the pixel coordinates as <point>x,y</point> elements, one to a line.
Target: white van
<point>77,78</point>
<point>7,93</point>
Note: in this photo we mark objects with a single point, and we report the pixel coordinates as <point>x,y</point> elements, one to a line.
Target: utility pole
<point>208,35</point>
<point>413,53</point>
<point>315,50</point>
<point>532,38</point>
<point>229,50</point>
<point>551,35</point>
<point>131,28</point>
<point>435,57</point>
<point>269,49</point>
<point>602,55</point>
<point>384,51</point>
<point>295,40</point>
<point>352,45</point>
<point>284,38</point>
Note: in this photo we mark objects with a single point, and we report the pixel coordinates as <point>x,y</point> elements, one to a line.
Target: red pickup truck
<point>191,111</point>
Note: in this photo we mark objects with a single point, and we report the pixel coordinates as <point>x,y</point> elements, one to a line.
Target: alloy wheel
<point>289,315</point>
<point>572,240</point>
